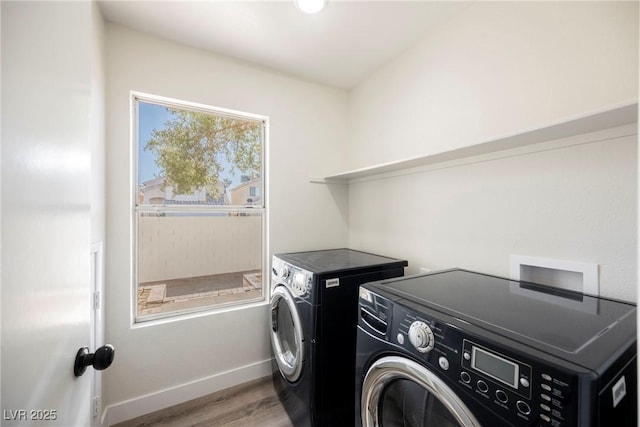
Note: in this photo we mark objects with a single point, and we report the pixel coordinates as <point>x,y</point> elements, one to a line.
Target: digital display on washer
<point>494,366</point>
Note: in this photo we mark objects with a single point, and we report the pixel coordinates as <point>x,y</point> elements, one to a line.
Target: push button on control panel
<point>444,363</point>
<point>523,407</point>
<point>554,395</point>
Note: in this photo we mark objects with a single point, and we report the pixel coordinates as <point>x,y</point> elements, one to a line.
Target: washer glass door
<point>399,392</point>
<point>287,340</point>
<point>406,403</point>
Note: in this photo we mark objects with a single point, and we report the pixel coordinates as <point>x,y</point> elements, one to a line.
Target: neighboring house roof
<point>198,197</point>
<point>152,184</point>
<point>243,187</point>
<point>247,183</point>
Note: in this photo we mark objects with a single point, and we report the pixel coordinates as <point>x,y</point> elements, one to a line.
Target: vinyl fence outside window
<point>200,210</point>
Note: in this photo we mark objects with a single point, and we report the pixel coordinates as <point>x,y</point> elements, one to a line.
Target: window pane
<point>194,251</point>
<point>188,157</point>
<point>191,260</point>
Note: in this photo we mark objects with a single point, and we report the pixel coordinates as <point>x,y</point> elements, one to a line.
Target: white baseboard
<point>132,408</point>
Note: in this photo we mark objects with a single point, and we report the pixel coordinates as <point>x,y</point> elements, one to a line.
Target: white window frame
<point>262,209</point>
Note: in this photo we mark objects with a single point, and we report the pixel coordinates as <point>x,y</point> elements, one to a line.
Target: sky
<point>150,117</point>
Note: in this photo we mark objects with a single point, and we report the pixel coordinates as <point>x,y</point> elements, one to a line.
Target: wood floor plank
<point>253,404</point>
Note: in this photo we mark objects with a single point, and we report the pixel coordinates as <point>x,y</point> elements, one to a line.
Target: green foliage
<point>190,148</point>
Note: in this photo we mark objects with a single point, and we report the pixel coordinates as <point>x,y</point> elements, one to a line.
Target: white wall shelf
<point>622,114</point>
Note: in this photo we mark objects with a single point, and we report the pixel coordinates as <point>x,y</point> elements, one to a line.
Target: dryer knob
<point>421,336</point>
<point>285,272</point>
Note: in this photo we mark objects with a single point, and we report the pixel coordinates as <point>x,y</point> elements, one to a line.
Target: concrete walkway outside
<point>181,294</point>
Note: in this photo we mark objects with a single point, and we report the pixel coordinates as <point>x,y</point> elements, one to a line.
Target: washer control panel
<point>511,384</point>
<point>504,371</point>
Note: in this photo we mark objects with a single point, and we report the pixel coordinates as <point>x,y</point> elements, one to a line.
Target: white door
<point>46,91</point>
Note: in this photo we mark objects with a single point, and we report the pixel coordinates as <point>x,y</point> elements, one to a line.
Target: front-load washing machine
<point>458,348</point>
<point>314,304</point>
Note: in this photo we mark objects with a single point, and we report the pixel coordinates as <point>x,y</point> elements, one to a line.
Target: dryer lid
<point>339,260</point>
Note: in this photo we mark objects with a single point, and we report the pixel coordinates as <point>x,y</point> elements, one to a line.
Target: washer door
<point>287,341</point>
<point>399,392</point>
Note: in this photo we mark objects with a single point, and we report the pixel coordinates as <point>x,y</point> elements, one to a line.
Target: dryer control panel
<point>297,280</point>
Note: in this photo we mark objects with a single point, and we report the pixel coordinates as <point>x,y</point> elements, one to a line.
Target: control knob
<point>421,336</point>
<point>285,272</point>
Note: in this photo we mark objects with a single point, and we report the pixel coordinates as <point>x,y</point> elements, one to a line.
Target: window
<point>199,238</point>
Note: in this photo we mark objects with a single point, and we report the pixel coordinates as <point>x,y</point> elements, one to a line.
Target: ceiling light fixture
<point>311,6</point>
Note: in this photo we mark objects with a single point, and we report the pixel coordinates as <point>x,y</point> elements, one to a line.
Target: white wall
<point>495,69</point>
<point>178,360</point>
<point>576,203</point>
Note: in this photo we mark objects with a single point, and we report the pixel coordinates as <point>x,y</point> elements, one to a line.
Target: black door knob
<point>101,359</point>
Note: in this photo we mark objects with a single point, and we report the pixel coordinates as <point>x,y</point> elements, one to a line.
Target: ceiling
<point>340,46</point>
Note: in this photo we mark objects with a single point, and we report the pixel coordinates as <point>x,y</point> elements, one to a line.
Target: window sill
<point>198,313</point>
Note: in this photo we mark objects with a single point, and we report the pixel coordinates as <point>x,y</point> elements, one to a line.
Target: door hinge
<point>96,301</point>
<point>95,406</point>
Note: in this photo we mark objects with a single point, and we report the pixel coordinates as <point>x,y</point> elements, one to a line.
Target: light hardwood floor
<point>253,404</point>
